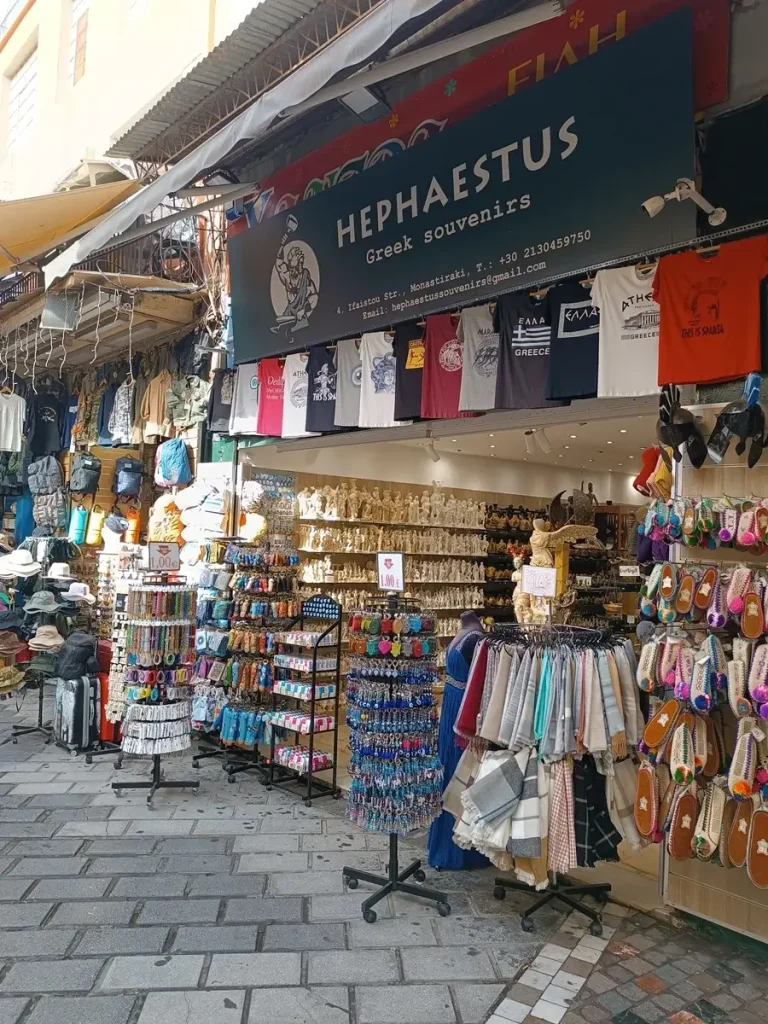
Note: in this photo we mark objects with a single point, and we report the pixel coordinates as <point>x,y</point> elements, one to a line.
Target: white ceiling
<point>607,445</point>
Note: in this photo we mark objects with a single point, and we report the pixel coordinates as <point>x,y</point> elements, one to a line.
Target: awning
<point>29,228</point>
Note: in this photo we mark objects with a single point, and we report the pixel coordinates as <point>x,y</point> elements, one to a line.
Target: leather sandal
<point>757,849</point>
<point>668,584</point>
<point>705,589</point>
<point>685,593</point>
<point>646,807</point>
<point>683,818</point>
<point>660,726</point>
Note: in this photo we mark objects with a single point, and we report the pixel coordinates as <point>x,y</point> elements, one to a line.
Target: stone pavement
<point>225,905</point>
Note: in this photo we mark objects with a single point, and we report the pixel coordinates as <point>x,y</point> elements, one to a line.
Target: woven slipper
<point>741,777</point>
<point>668,584</point>
<point>676,516</point>
<point>681,758</point>
<point>761,521</point>
<point>668,660</point>
<point>701,685</point>
<point>646,807</point>
<point>737,689</point>
<point>746,533</point>
<point>757,849</point>
<point>729,522</point>
<point>738,586</point>
<point>690,527</point>
<point>717,613</point>
<point>700,751</point>
<point>683,817</point>
<point>707,836</point>
<point>742,651</point>
<point>661,725</point>
<point>712,766</point>
<point>685,592</point>
<point>718,663</point>
<point>665,611</point>
<point>729,813</point>
<point>683,672</point>
<point>738,840</point>
<point>705,591</point>
<point>647,666</point>
<point>666,802</point>
<point>758,676</point>
<point>706,518</point>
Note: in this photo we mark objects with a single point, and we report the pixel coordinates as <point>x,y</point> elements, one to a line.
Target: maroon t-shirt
<point>441,382</point>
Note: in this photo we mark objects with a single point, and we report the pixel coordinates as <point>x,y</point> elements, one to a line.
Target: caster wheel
<point>337,794</point>
<point>596,928</point>
<point>307,803</point>
<point>419,876</point>
<point>231,779</point>
<point>602,897</point>
<point>369,916</point>
<point>14,740</point>
<point>499,892</point>
<point>88,759</point>
<point>73,753</point>
<point>196,764</point>
<point>118,792</point>
<point>352,883</point>
<point>443,909</point>
<point>118,765</point>
<point>526,924</point>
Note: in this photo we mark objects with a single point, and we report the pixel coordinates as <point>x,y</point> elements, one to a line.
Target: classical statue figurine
<point>450,511</point>
<point>353,503</point>
<point>425,509</point>
<point>386,506</point>
<point>437,502</point>
<point>544,543</point>
<point>398,509</point>
<point>331,503</point>
<point>591,494</point>
<point>413,509</point>
<point>342,500</point>
<point>366,506</point>
<point>376,509</point>
<point>304,499</point>
<point>521,601</point>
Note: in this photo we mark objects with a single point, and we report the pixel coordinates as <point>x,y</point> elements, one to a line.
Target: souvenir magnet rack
<point>160,627</point>
<point>315,653</point>
<point>395,880</point>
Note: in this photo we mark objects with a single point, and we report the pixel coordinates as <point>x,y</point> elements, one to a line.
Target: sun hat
<point>43,601</point>
<point>18,563</point>
<point>9,643</point>
<point>58,571</point>
<point>5,544</point>
<point>78,592</point>
<point>47,638</point>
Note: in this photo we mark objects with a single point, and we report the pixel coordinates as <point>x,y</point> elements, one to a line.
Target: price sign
<point>163,557</point>
<point>539,581</point>
<point>391,570</point>
<point>584,582</point>
<point>629,571</point>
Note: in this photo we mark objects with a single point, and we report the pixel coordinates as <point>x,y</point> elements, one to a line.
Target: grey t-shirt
<point>481,359</point>
<point>349,375</point>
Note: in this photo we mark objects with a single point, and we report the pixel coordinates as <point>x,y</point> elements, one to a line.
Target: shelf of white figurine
<point>380,522</point>
<point>321,552</point>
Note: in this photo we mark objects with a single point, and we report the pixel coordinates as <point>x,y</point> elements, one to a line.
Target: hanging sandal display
<point>683,817</point>
<point>741,776</point>
<point>681,758</point>
<point>646,806</point>
<point>757,848</point>
<point>706,839</point>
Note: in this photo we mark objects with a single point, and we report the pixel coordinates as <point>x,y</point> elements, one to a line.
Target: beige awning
<point>29,228</point>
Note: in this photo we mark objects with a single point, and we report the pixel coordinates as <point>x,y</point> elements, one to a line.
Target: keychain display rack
<point>392,715</point>
<point>305,699</point>
<point>160,630</point>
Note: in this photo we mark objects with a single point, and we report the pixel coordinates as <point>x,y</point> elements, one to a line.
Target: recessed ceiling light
<point>609,442</point>
<point>525,458</point>
<point>491,435</point>
<point>559,456</point>
<point>591,460</point>
<point>623,430</point>
<point>566,446</point>
<point>454,440</point>
<point>491,445</point>
<point>493,456</point>
<point>621,463</point>
<point>631,456</point>
<point>572,436</point>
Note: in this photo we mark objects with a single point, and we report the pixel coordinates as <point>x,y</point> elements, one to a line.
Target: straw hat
<point>59,571</point>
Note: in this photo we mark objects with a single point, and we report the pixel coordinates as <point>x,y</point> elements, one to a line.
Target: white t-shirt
<point>12,410</point>
<point>377,386</point>
<point>629,332</point>
<point>348,374</point>
<point>245,400</point>
<point>481,359</point>
<point>295,387</point>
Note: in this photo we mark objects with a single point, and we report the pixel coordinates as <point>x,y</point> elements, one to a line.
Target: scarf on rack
<point>565,742</point>
<point>562,838</point>
<point>496,794</point>
<point>544,701</point>
<point>525,832</point>
<point>596,838</point>
<point>518,680</point>
<point>492,664</point>
<point>613,715</point>
<point>462,778</point>
<point>489,837</point>
<point>627,667</point>
<point>466,720</point>
<point>594,737</point>
<point>493,713</point>
<point>523,732</point>
<point>620,790</point>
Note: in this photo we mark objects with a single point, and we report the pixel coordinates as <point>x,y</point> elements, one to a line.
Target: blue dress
<point>442,852</point>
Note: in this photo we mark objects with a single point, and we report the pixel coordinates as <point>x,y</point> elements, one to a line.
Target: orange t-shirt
<point>710,312</point>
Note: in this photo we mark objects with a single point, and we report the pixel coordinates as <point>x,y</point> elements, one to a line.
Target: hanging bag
<point>172,467</point>
<point>126,482</point>
<point>85,475</point>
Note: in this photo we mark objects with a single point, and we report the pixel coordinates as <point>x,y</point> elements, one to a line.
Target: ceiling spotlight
<point>566,446</point>
<point>609,442</point>
<point>685,189</point>
<point>530,447</point>
<point>493,456</point>
<point>590,460</point>
<point>454,440</point>
<point>559,456</point>
<point>429,448</point>
<point>572,436</point>
<point>491,445</point>
<point>621,463</point>
<point>543,441</point>
<point>491,435</point>
<point>623,430</point>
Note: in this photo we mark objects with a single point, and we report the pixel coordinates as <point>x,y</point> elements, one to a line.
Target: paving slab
<point>31,976</point>
<point>326,1005</point>
<point>138,973</point>
<point>179,911</point>
<point>404,1004</point>
<point>275,842</point>
<point>224,1007</point>
<point>216,939</point>
<point>474,1002</point>
<point>82,1010</point>
<point>264,910</point>
<point>456,963</point>
<point>147,886</point>
<point>111,941</point>
<point>11,1010</point>
<point>351,967</point>
<point>42,867</point>
<point>261,970</point>
<point>36,942</point>
<point>227,885</point>
<point>113,912</point>
<point>304,936</point>
<point>69,889</point>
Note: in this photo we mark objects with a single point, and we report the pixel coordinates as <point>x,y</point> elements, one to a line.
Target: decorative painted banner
<point>538,186</point>
<point>526,58</point>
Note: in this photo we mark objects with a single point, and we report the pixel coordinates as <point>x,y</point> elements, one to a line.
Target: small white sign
<point>391,570</point>
<point>163,556</point>
<point>629,570</point>
<point>583,581</point>
<point>539,581</point>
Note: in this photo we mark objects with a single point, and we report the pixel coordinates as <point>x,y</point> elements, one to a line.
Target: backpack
<point>84,478</point>
<point>126,482</point>
<point>172,464</point>
<point>44,475</point>
<point>77,657</point>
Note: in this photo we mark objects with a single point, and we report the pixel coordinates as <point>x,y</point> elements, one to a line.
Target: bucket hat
<point>9,644</point>
<point>47,638</point>
<point>18,563</point>
<point>59,571</point>
<point>78,592</point>
<point>42,602</point>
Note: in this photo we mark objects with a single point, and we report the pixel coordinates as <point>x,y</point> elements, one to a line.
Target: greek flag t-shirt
<point>575,342</point>
<point>481,359</point>
<point>377,387</point>
<point>349,373</point>
<point>295,388</point>
<point>525,333</point>
<point>244,401</point>
<point>321,397</point>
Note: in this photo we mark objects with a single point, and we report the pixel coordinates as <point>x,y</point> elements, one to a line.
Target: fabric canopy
<point>29,228</point>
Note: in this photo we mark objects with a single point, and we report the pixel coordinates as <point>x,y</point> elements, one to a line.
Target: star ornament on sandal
<point>762,847</point>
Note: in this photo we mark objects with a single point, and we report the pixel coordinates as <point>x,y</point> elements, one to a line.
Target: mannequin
<point>442,852</point>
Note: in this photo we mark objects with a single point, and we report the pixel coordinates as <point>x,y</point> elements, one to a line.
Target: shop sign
<point>539,186</point>
<point>539,581</point>
<point>520,62</point>
<point>390,566</point>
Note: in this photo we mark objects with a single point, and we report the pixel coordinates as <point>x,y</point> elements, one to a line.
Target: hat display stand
<point>26,561</point>
<point>160,632</point>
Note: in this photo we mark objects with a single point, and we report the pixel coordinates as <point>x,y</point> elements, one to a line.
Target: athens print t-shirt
<point>270,418</point>
<point>629,332</point>
<point>321,397</point>
<point>573,348</point>
<point>480,341</point>
<point>525,331</point>
<point>295,387</point>
<point>409,357</point>
<point>443,360</point>
<point>349,372</point>
<point>377,388</point>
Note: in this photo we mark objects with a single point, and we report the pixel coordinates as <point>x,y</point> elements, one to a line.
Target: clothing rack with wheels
<point>549,721</point>
<point>392,716</point>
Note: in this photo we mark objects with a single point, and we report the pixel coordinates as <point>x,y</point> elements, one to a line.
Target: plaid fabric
<point>596,838</point>
<point>525,835</point>
<point>562,839</point>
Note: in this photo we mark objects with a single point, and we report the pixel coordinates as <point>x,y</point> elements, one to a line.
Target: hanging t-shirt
<point>409,357</point>
<point>377,385</point>
<point>270,418</point>
<point>524,329</point>
<point>244,400</point>
<point>222,394</point>
<point>573,348</point>
<point>480,341</point>
<point>295,386</point>
<point>629,332</point>
<point>12,410</point>
<point>321,398</point>
<point>348,378</point>
<point>710,312</point>
<point>48,410</point>
<point>441,384</point>
<point>68,421</point>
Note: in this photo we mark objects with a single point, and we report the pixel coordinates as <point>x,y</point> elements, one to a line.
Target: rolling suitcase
<point>77,713</point>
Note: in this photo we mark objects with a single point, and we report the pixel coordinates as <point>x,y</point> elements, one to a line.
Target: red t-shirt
<point>710,312</point>
<point>270,418</point>
<point>441,380</point>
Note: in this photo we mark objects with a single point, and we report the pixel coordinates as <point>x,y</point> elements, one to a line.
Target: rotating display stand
<point>392,714</point>
<point>564,891</point>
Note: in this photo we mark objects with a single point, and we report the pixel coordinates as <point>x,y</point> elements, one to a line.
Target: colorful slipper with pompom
<point>668,582</point>
<point>757,682</point>
<point>742,651</point>
<point>690,527</point>
<point>701,685</point>
<point>729,521</point>
<point>683,675</point>
<point>741,777</point>
<point>737,689</point>
<point>738,586</point>
<point>647,666</point>
<point>718,664</point>
<point>668,660</point>
<point>746,533</point>
<point>681,757</point>
<point>700,752</point>
<point>717,613</point>
<point>706,839</point>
